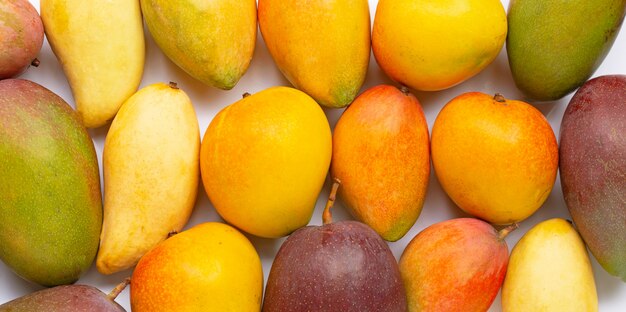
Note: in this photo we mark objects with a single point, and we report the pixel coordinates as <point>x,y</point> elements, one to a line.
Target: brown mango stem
<point>505,231</point>
<point>327,216</point>
<point>118,289</point>
<point>499,98</point>
<point>404,90</point>
<point>35,63</point>
<point>172,233</point>
<point>173,85</point>
<point>245,95</point>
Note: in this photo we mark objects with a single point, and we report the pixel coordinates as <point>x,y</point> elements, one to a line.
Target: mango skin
<point>100,45</point>
<point>74,298</point>
<point>455,265</point>
<point>151,172</point>
<point>212,40</point>
<point>264,160</point>
<point>210,267</point>
<point>21,36</point>
<point>322,47</point>
<point>432,45</point>
<point>381,155</point>
<point>549,270</point>
<point>554,46</point>
<point>50,202</point>
<point>497,159</point>
<point>593,167</point>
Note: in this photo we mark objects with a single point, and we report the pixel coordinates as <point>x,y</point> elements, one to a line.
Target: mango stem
<point>245,95</point>
<point>118,289</point>
<point>173,85</point>
<point>499,98</point>
<point>404,90</point>
<point>327,216</point>
<point>35,63</point>
<point>505,231</point>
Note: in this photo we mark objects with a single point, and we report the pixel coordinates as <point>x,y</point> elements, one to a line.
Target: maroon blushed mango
<point>21,36</point>
<point>593,168</point>
<point>50,203</point>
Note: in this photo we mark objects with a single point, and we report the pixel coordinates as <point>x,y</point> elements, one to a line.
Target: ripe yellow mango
<point>213,41</point>
<point>151,174</point>
<point>264,160</point>
<point>100,45</point>
<point>431,45</point>
<point>322,47</point>
<point>549,270</point>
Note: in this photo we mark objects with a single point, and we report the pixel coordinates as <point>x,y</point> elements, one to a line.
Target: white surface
<point>263,74</point>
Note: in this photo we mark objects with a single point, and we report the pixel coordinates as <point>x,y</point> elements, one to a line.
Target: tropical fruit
<point>21,37</point>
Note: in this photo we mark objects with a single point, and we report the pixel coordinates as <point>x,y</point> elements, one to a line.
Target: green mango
<point>555,46</point>
<point>50,201</point>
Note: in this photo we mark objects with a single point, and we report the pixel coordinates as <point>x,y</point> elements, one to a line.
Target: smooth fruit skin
<point>66,298</point>
<point>50,202</point>
<point>432,45</point>
<point>549,270</point>
<point>100,45</point>
<point>322,47</point>
<point>151,173</point>
<point>455,265</point>
<point>593,167</point>
<point>212,40</point>
<point>21,36</point>
<point>381,155</point>
<point>264,160</point>
<point>342,266</point>
<point>210,267</point>
<point>553,47</point>
<point>497,159</point>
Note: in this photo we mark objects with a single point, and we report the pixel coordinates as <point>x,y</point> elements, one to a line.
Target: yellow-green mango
<point>50,202</point>
<point>212,40</point>
<point>322,47</point>
<point>549,270</point>
<point>151,174</point>
<point>100,45</point>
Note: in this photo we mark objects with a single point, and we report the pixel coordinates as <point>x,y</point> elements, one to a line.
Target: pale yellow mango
<point>549,270</point>
<point>100,45</point>
<point>151,173</point>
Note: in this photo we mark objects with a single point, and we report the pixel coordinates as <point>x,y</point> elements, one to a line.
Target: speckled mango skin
<point>50,202</point>
<point>593,167</point>
<point>549,270</point>
<point>553,47</point>
<point>21,36</point>
<point>212,40</point>
<point>496,160</point>
<point>455,265</point>
<point>381,155</point>
<point>210,267</point>
<point>322,47</point>
<point>75,298</point>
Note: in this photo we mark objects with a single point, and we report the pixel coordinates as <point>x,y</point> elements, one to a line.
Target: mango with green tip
<point>213,41</point>
<point>50,202</point>
<point>322,47</point>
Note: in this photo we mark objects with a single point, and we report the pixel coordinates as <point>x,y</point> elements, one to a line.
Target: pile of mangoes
<point>264,160</point>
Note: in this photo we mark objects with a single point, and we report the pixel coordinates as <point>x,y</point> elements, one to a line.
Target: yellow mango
<point>213,41</point>
<point>151,174</point>
<point>264,160</point>
<point>100,45</point>
<point>549,270</point>
<point>431,45</point>
<point>322,47</point>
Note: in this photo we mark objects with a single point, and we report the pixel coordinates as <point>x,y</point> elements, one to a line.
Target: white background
<point>263,74</point>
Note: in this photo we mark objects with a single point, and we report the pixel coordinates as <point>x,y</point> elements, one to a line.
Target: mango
<point>210,267</point>
<point>381,156</point>
<point>497,159</point>
<point>555,46</point>
<point>264,160</point>
<point>101,47</point>
<point>50,202</point>
<point>593,167</point>
<point>549,270</point>
<point>455,265</point>
<point>432,45</point>
<point>322,47</point>
<point>213,41</point>
<point>151,173</point>
<point>21,37</point>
